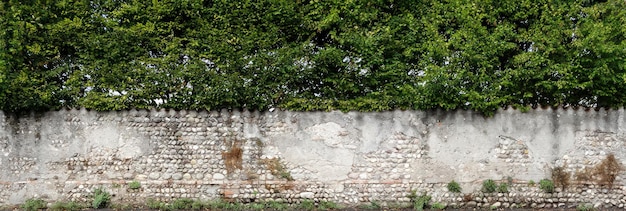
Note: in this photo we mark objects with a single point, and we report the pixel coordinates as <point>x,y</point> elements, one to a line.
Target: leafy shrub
<point>454,187</point>
<point>531,183</point>
<point>489,186</point>
<point>34,204</point>
<point>546,185</point>
<point>101,199</point>
<point>503,188</point>
<point>134,185</point>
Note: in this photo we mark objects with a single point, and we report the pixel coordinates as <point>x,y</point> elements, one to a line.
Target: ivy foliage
<point>311,55</point>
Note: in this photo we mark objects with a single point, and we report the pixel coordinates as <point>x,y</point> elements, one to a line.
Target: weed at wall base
<point>101,199</point>
<point>328,205</point>
<point>489,186</point>
<point>546,185</point>
<point>66,206</point>
<point>134,185</point>
<point>307,205</point>
<point>34,204</point>
<point>454,187</point>
<point>585,207</point>
<point>419,202</point>
<point>372,206</point>
<point>438,206</point>
<point>502,188</point>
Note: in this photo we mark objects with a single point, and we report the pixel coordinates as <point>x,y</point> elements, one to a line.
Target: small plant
<point>231,206</point>
<point>421,202</point>
<point>398,206</point>
<point>307,205</point>
<point>274,205</point>
<point>220,205</point>
<point>286,175</point>
<point>328,205</point>
<point>585,207</point>
<point>413,195</point>
<point>134,185</point>
<point>65,206</point>
<point>531,183</point>
<point>438,206</point>
<point>34,204</point>
<point>489,186</point>
<point>372,206</point>
<point>503,188</point>
<point>101,199</point>
<point>253,206</point>
<point>454,187</point>
<point>154,204</point>
<point>198,205</point>
<point>121,206</point>
<point>546,185</point>
<point>182,204</point>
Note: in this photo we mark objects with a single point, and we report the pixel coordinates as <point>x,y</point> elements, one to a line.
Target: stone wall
<point>348,158</point>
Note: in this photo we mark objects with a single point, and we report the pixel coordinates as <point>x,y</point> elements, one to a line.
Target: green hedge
<point>311,55</point>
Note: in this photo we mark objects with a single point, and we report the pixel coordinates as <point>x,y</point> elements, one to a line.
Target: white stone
<point>128,176</point>
<point>218,176</point>
<point>177,176</point>
<point>496,205</point>
<point>154,175</point>
<point>307,195</point>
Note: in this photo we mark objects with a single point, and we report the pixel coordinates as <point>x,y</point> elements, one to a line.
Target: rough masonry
<point>288,156</point>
